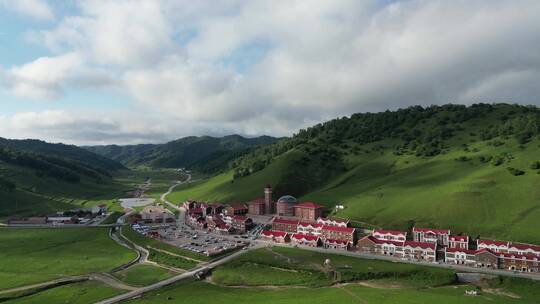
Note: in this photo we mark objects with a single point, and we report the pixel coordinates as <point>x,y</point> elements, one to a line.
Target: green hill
<point>38,177</point>
<point>473,169</point>
<point>205,153</point>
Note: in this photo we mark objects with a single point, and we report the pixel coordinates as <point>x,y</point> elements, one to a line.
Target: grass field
<point>456,189</point>
<point>142,275</point>
<point>146,242</point>
<point>201,292</point>
<point>30,256</point>
<point>171,260</point>
<point>289,266</point>
<point>79,293</point>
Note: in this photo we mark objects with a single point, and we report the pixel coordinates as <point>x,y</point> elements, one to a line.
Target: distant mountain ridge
<point>205,153</point>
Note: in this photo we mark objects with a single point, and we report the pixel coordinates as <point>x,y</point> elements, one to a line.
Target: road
<point>183,276</point>
<point>181,215</point>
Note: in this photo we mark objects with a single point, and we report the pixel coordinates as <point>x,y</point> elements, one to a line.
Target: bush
<point>515,172</point>
<point>485,159</point>
<point>497,161</point>
<point>535,165</point>
<point>463,158</point>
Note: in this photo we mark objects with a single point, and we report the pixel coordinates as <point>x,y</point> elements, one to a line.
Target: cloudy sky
<point>98,72</point>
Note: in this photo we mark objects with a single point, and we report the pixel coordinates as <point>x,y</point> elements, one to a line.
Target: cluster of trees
<point>423,131</point>
<point>6,185</point>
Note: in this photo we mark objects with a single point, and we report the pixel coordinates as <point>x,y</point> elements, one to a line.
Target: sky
<point>148,71</point>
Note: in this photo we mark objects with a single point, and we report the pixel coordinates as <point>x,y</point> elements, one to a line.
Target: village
<point>303,224</point>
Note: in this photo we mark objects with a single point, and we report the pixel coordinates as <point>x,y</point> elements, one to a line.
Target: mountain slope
<point>185,152</point>
<point>474,169</point>
<point>37,177</point>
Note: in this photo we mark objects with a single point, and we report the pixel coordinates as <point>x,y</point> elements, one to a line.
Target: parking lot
<point>190,239</point>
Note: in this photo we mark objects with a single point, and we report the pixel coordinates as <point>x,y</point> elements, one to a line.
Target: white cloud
<point>47,77</point>
<point>318,59</point>
<point>36,9</point>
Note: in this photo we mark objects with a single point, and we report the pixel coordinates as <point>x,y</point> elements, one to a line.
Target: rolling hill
<point>205,153</point>
<point>37,177</point>
<point>473,169</point>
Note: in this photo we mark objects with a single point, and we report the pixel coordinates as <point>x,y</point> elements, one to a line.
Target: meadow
<point>142,275</point>
<point>29,256</point>
<point>290,266</point>
<point>78,293</point>
<point>201,292</point>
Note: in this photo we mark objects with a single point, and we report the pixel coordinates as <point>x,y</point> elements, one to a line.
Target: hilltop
<point>205,153</point>
<point>473,169</point>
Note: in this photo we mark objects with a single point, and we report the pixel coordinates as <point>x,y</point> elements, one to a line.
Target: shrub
<point>496,161</point>
<point>515,172</point>
<point>535,165</point>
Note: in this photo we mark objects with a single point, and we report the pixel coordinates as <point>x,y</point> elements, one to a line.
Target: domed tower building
<point>285,205</point>
<point>268,202</point>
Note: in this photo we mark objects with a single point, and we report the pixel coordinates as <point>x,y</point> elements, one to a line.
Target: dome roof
<point>287,199</point>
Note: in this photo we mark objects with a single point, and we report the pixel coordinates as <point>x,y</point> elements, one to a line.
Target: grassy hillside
<point>205,153</point>
<point>474,170</point>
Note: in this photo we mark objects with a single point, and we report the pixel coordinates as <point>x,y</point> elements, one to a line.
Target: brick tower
<point>268,202</point>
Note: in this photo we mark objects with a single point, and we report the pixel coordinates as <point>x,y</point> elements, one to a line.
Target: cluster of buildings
<point>75,216</point>
<point>326,232</point>
<point>156,214</point>
<point>223,219</point>
<point>433,245</point>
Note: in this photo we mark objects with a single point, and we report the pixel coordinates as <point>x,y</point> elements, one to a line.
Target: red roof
<point>461,250</point>
<point>285,221</point>
<point>240,218</point>
<point>435,231</point>
<point>530,257</point>
<point>239,207</point>
<point>338,229</point>
<point>196,210</point>
<point>459,238</point>
<point>314,225</point>
<point>525,247</point>
<point>492,242</point>
<point>308,205</point>
<point>485,250</point>
<point>224,226</point>
<point>391,232</point>
<point>422,245</point>
<point>309,238</point>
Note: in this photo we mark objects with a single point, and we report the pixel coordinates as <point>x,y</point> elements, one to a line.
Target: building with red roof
<point>419,251</point>
<point>308,211</point>
<point>257,206</point>
<point>336,244</point>
<point>519,262</point>
<point>430,235</point>
<point>495,246</point>
<point>241,223</point>
<point>280,224</point>
<point>390,235</point>
<point>305,240</point>
<point>309,228</point>
<point>517,248</point>
<point>338,233</point>
<point>276,236</point>
<point>458,241</point>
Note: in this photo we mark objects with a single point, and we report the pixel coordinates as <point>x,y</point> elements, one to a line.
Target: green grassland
<point>171,260</point>
<point>79,293</point>
<point>30,256</point>
<point>142,275</point>
<point>201,292</point>
<point>466,185</point>
<point>289,266</point>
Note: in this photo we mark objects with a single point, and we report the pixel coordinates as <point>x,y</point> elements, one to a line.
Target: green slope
<point>395,180</point>
<point>205,153</point>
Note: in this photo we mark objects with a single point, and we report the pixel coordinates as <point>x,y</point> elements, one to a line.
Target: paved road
<point>182,212</point>
<point>183,276</point>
